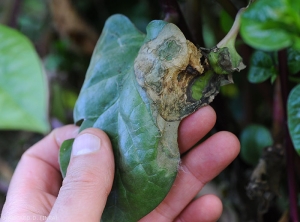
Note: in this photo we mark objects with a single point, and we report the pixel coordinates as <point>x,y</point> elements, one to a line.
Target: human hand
<point>37,192</point>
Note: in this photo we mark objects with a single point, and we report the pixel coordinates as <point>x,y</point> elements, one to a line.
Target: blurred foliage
<point>23,84</point>
<point>238,106</point>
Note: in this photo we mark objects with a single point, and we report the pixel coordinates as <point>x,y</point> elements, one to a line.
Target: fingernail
<point>85,144</point>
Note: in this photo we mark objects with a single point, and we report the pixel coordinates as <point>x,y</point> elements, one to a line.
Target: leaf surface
<point>294,117</point>
<point>137,89</point>
<point>262,67</point>
<point>23,88</point>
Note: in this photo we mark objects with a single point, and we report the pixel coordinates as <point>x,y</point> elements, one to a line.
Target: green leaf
<point>254,138</point>
<point>113,101</point>
<point>64,155</point>
<point>293,60</point>
<point>137,89</point>
<point>23,88</point>
<point>294,116</point>
<point>261,68</point>
<point>271,25</point>
<point>226,21</point>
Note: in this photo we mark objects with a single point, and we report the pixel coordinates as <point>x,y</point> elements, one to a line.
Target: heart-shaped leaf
<point>137,89</point>
<point>254,138</point>
<point>293,60</point>
<point>23,88</point>
<point>271,25</point>
<point>112,100</point>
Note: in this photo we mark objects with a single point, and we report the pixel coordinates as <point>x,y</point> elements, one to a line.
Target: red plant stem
<point>278,114</point>
<point>14,14</point>
<point>290,151</point>
<point>171,7</point>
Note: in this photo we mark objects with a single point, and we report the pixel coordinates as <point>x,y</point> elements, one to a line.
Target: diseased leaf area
<point>171,71</point>
<point>137,89</point>
<point>271,25</point>
<point>262,67</point>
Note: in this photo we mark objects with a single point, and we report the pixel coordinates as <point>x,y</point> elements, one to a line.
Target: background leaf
<point>261,68</point>
<point>254,138</point>
<point>23,88</point>
<point>294,116</point>
<point>293,60</point>
<point>271,25</point>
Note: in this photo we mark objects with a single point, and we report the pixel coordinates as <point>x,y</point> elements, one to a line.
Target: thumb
<point>89,179</point>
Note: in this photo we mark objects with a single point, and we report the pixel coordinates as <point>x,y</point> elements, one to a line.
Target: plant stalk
<point>15,13</point>
<point>290,151</point>
<point>172,11</point>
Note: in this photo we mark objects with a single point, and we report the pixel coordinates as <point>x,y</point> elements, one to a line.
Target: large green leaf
<point>294,117</point>
<point>23,88</point>
<point>262,67</point>
<point>293,60</point>
<point>137,89</point>
<point>271,25</point>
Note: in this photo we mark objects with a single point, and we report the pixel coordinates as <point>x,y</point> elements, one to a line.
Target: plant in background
<point>23,84</point>
<point>273,29</point>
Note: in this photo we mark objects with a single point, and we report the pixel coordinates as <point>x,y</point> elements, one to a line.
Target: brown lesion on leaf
<point>173,97</point>
<point>166,76</point>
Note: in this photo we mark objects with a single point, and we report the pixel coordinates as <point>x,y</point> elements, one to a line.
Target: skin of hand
<point>38,193</point>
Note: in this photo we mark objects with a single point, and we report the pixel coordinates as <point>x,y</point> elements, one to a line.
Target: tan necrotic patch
<point>165,67</point>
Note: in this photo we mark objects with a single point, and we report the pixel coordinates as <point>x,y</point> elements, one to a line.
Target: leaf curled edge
<point>294,116</point>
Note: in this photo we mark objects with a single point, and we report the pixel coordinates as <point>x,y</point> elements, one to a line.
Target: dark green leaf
<point>271,25</point>
<point>294,117</point>
<point>137,89</point>
<point>226,21</point>
<point>293,60</point>
<point>112,100</point>
<point>64,155</point>
<point>254,139</point>
<point>23,88</point>
<point>261,67</point>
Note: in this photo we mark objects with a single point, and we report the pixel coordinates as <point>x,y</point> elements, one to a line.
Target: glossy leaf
<point>294,117</point>
<point>261,68</point>
<point>23,88</point>
<point>293,60</point>
<point>137,89</point>
<point>254,139</point>
<point>271,25</point>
